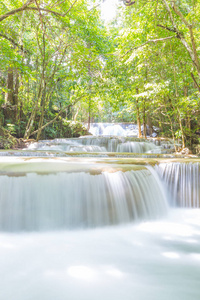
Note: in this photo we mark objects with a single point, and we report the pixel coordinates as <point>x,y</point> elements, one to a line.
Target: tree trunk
<point>138,119</point>
<point>144,121</point>
<point>31,120</point>
<point>16,92</point>
<point>69,112</point>
<point>9,95</point>
<point>181,128</point>
<point>88,127</point>
<point>149,123</point>
<point>171,125</point>
<point>42,105</point>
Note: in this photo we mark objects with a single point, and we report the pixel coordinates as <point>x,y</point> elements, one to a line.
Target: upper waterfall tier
<point>78,199</point>
<point>120,129</point>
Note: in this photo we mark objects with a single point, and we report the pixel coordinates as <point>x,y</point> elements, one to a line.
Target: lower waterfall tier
<point>79,199</point>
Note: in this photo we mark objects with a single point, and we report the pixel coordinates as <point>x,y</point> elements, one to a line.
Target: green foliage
<point>11,128</point>
<point>66,63</point>
<point>64,129</point>
<point>7,141</point>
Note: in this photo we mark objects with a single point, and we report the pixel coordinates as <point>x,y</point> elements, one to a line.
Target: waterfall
<point>183,182</point>
<point>67,145</point>
<point>106,143</point>
<point>79,199</point>
<point>137,147</point>
<point>98,144</point>
<point>121,129</point>
<point>58,217</point>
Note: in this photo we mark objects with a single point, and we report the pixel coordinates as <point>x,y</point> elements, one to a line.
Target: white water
<point>183,182</point>
<point>97,144</point>
<point>154,256</point>
<point>158,260</point>
<point>79,200</point>
<point>136,147</point>
<point>107,137</point>
<point>66,145</point>
<point>109,129</point>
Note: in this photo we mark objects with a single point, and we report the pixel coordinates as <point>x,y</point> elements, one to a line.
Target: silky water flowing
<point>99,228</point>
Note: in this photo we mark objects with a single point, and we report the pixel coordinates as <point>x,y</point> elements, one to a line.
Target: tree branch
<point>13,42</point>
<point>14,11</point>
<point>57,14</point>
<point>57,3</point>
<point>189,26</point>
<point>148,42</point>
<point>93,8</point>
<point>27,7</point>
<point>167,28</point>
<point>192,51</point>
<point>49,123</point>
<point>52,121</point>
<point>170,15</point>
<point>195,82</point>
<point>175,8</point>
<point>70,8</point>
<point>128,2</point>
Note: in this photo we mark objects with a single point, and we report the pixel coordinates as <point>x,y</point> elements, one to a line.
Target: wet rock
<point>186,151</point>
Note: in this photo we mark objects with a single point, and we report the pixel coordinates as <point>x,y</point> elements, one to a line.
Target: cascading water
<point>183,182</point>
<point>107,137</point>
<point>97,144</point>
<point>28,202</point>
<point>67,145</point>
<point>121,129</point>
<point>151,251</point>
<point>136,147</point>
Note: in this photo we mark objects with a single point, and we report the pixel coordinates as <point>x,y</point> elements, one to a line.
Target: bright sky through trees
<point>108,9</point>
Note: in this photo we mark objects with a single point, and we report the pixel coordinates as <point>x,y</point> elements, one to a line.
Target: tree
<point>52,57</point>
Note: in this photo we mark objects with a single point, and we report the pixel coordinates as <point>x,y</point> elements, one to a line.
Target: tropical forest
<point>99,149</point>
<point>64,65</point>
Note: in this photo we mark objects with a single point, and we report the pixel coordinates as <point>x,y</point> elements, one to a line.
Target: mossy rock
<point>197,149</point>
